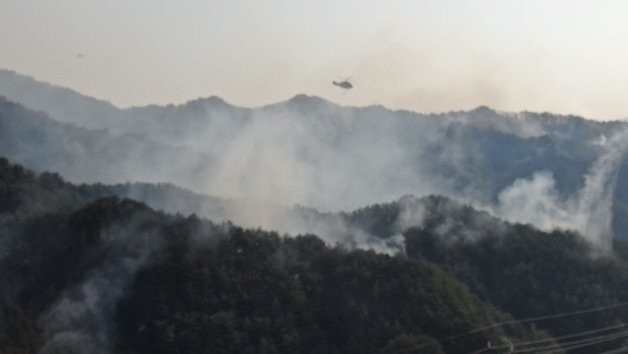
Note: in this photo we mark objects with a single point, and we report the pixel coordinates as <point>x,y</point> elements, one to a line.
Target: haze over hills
<point>85,271</point>
<point>525,167</point>
<point>240,177</point>
<point>388,231</point>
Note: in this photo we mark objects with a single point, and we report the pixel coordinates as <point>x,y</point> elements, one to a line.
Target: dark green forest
<point>143,281</point>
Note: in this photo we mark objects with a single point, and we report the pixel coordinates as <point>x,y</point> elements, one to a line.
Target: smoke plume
<point>589,211</point>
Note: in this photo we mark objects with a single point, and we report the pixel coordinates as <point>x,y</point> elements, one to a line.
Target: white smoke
<point>595,201</point>
<point>412,213</point>
<point>537,202</point>
<point>79,322</point>
<point>307,151</point>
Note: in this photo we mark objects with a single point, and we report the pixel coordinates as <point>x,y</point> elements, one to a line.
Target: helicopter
<point>344,83</point>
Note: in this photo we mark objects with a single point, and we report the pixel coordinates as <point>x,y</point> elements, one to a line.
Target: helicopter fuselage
<point>343,84</point>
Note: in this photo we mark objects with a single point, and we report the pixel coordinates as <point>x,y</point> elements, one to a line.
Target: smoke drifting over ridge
<point>298,166</point>
<point>311,152</point>
<point>588,211</point>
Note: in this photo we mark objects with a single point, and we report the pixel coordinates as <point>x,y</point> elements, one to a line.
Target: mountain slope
<point>111,275</point>
<point>64,104</point>
<point>311,152</point>
<point>83,155</point>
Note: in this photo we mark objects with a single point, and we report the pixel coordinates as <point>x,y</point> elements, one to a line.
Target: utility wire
<point>574,335</point>
<point>553,340</point>
<point>566,345</point>
<point>524,320</point>
<point>585,344</point>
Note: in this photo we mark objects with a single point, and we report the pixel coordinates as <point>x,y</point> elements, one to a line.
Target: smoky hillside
<point>311,152</point>
<point>306,226</point>
<point>84,270</point>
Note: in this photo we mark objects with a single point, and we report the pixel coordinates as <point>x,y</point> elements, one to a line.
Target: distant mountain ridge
<point>84,155</point>
<point>67,105</point>
<point>305,150</point>
<point>305,226</point>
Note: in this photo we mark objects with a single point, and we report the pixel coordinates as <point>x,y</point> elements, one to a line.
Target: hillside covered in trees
<point>305,226</point>
<point>280,177</point>
<point>85,271</point>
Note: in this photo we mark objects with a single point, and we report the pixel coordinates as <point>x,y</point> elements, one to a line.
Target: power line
<point>524,320</point>
<point>573,335</point>
<point>484,350</point>
<point>581,343</point>
<point>553,340</point>
<point>567,345</point>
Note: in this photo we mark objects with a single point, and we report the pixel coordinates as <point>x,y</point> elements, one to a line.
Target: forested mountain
<point>82,270</point>
<point>67,105</point>
<point>305,226</point>
<point>312,152</point>
<point>304,150</point>
<point>84,155</point>
<point>98,275</point>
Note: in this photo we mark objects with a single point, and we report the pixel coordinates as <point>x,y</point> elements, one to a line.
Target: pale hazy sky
<point>565,56</point>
